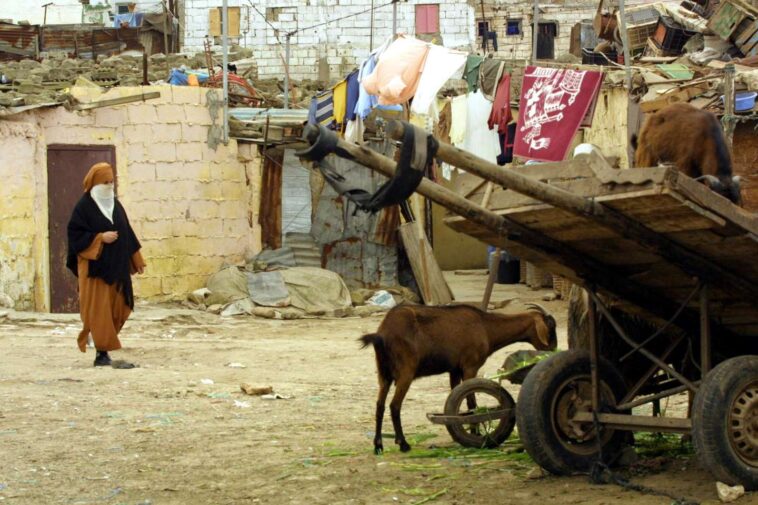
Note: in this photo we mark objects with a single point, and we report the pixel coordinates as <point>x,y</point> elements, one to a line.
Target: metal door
<point>66,167</point>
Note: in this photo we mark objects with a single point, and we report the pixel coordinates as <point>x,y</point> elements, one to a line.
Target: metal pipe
<point>657,396</point>
<point>371,30</point>
<point>625,42</point>
<point>644,352</point>
<point>225,63</point>
<point>535,29</point>
<point>394,18</point>
<point>287,71</point>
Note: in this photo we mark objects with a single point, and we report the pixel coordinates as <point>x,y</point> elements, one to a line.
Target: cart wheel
<point>489,396</point>
<point>725,422</point>
<point>552,393</point>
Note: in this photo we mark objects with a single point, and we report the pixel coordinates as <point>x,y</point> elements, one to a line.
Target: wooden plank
<point>214,20</point>
<point>434,289</point>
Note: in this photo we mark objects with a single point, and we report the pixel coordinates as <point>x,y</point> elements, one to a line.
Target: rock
<point>291,313</point>
<point>501,304</point>
<point>550,297</point>
<point>265,312</point>
<point>728,494</point>
<point>251,390</point>
<point>627,457</point>
<point>216,308</point>
<point>367,310</point>
<point>199,296</point>
<point>6,301</point>
<point>536,473</point>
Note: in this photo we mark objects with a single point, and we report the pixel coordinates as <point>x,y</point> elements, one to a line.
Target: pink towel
<point>553,104</point>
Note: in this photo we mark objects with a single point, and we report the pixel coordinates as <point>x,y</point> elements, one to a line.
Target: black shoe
<point>102,359</point>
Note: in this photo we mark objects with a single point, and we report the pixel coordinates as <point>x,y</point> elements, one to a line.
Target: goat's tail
<point>549,322</point>
<point>382,357</point>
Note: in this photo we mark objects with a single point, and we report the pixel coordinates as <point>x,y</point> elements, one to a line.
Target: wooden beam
<point>586,269</point>
<point>595,211</point>
<point>637,423</point>
<point>117,101</point>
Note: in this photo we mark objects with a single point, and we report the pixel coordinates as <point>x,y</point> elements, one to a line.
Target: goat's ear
<point>543,333</point>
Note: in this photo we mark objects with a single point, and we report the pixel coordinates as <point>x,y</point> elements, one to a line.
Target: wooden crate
<point>746,38</point>
<point>641,23</point>
<point>727,18</point>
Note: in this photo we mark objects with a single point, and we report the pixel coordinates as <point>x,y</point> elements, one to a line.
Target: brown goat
<point>416,341</point>
<point>693,141</point>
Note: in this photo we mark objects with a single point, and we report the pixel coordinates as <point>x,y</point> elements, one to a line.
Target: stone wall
<point>193,208</point>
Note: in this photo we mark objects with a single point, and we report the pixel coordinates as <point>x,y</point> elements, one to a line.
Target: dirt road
<point>165,434</point>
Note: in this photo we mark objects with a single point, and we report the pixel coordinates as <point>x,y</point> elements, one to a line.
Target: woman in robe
<point>103,252</point>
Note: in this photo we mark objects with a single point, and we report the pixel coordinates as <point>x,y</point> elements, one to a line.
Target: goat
<point>693,141</point>
<point>416,341</point>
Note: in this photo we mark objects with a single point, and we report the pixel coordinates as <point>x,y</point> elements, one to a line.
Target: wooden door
<point>66,167</point>
<point>546,41</point>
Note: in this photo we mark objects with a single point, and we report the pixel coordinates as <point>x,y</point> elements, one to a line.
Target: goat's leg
<point>455,378</point>
<point>401,388</point>
<point>384,389</point>
<point>471,399</point>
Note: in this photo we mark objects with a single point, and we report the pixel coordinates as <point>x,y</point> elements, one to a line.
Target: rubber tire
<point>536,420</point>
<point>713,401</point>
<point>505,426</point>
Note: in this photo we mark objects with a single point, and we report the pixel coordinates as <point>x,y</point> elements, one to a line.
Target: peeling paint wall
<point>193,208</point>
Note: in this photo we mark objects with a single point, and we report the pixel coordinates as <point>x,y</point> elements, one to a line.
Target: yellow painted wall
<point>192,208</point>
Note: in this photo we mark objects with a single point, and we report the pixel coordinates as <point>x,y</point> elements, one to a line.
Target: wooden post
<point>705,333</point>
<point>494,263</point>
<point>594,352</point>
<point>145,81</point>
<point>434,289</point>
<point>603,215</point>
<point>729,96</point>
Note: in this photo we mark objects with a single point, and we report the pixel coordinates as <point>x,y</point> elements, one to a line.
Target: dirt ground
<point>164,434</point>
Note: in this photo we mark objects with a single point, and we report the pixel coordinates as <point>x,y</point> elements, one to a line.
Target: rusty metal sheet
<point>18,41</point>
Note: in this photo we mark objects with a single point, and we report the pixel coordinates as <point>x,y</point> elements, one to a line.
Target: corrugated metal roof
<point>252,113</point>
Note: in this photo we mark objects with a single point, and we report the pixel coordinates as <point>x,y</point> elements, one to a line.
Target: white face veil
<point>104,198</point>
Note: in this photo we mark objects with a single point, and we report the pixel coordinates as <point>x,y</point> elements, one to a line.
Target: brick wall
<point>193,208</point>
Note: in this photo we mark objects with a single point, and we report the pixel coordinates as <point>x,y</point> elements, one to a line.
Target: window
<point>513,27</point>
<point>427,18</point>
<point>481,27</point>
<point>215,21</point>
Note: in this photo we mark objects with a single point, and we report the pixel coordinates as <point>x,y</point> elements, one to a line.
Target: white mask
<point>104,198</point>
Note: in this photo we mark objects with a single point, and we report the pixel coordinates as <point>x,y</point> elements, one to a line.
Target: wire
<point>340,19</point>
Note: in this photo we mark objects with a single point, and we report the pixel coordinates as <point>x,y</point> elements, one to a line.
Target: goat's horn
<point>538,307</point>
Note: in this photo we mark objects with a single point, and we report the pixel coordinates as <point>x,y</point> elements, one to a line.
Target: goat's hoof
<point>378,450</point>
<point>404,446</point>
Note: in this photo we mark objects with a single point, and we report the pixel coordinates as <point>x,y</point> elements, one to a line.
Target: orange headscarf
<point>98,174</point>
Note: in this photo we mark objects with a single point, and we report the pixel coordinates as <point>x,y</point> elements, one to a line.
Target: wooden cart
<point>646,242</point>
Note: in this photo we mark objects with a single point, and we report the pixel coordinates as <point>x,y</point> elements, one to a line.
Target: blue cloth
<point>353,91</point>
<point>177,77</point>
<point>312,112</point>
<point>365,102</point>
<point>133,18</point>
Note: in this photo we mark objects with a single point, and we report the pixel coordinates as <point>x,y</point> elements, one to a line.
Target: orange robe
<point>102,307</point>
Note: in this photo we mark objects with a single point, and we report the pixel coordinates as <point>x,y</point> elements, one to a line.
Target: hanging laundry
<point>506,141</point>
<point>480,140</point>
<point>339,101</point>
<point>367,101</point>
<point>312,111</point>
<point>441,64</point>
<point>471,71</point>
<point>490,73</point>
<point>501,109</point>
<point>553,103</point>
<point>442,128</point>
<point>398,71</point>
<point>353,88</point>
<point>458,113</point>
<point>325,108</point>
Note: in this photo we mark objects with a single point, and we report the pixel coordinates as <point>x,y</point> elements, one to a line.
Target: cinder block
<point>170,113</point>
<point>136,152</point>
<point>189,151</point>
<point>198,115</point>
<point>167,132</point>
<point>186,94</point>
<point>110,117</point>
<point>161,151</point>
<point>142,113</point>
<point>147,287</point>
<point>204,209</point>
<point>194,133</point>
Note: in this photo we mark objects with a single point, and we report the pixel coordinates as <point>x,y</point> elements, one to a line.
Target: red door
<point>66,167</point>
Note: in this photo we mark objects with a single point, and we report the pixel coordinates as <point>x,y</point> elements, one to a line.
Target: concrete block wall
<point>336,47</point>
<point>193,208</point>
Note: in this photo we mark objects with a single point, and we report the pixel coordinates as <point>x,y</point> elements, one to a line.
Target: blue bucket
<point>743,101</point>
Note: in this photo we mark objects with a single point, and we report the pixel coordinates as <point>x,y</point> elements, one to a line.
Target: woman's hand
<point>110,236</point>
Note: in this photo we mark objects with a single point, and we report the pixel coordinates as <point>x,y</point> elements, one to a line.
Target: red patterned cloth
<point>553,104</point>
<point>501,108</point>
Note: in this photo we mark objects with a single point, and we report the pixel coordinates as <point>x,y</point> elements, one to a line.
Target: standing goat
<point>416,341</point>
<point>693,141</point>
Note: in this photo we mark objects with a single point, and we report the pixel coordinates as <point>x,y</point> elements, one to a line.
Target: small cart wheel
<point>725,422</point>
<point>488,396</point>
<point>556,389</point>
